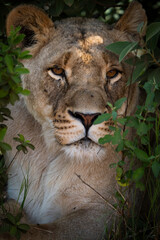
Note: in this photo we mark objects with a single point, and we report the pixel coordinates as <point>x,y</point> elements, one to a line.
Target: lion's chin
<point>84,150</point>
<point>83,143</point>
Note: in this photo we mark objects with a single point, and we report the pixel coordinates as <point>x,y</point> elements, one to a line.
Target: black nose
<point>86,119</point>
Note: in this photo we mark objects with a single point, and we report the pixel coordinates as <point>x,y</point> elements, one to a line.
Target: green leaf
<point>144,140</point>
<point>69,2</point>
<point>125,133</point>
<point>157,150</point>
<point>13,231</point>
<point>5,146</point>
<point>149,101</point>
<point>113,165</point>
<point>151,119</point>
<point>119,172</point>
<point>152,43</point>
<point>141,155</point>
<point>103,117</point>
<point>2,133</point>
<point>21,137</point>
<point>121,163</point>
<point>9,62</point>
<point>118,103</point>
<point>21,70</point>
<point>120,146</point>
<point>133,122</point>
<point>117,138</point>
<point>16,79</point>
<point>156,168</point>
<point>105,139</point>
<point>148,86</point>
<point>3,93</point>
<point>58,8</point>
<point>5,111</point>
<point>152,30</point>
<point>24,227</point>
<point>112,128</point>
<point>138,174</point>
<point>117,47</point>
<point>13,97</point>
<point>11,218</point>
<point>18,39</point>
<point>114,115</point>
<point>18,140</point>
<point>24,55</point>
<point>154,78</point>
<point>30,146</point>
<point>25,92</point>
<point>122,120</point>
<point>18,217</point>
<point>22,148</point>
<point>138,71</point>
<point>126,50</point>
<point>110,105</point>
<point>142,129</point>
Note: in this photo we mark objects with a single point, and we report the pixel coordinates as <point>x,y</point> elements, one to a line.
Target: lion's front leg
<point>85,224</point>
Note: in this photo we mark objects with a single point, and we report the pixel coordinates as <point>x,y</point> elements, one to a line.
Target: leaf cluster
<point>146,121</point>
<point>10,82</point>
<point>12,224</point>
<point>11,69</point>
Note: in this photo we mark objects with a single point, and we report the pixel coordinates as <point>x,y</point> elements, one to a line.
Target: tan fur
<point>57,199</point>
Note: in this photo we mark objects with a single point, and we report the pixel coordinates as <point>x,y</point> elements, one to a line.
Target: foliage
<point>108,11</point>
<point>12,225</point>
<point>10,87</point>
<point>143,150</point>
<point>145,122</point>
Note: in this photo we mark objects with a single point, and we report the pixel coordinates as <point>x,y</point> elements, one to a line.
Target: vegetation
<point>145,147</point>
<point>10,88</point>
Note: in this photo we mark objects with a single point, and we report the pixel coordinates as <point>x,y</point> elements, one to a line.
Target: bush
<point>145,147</point>
<point>10,87</point>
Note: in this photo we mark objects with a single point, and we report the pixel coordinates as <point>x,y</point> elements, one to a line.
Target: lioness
<point>72,77</point>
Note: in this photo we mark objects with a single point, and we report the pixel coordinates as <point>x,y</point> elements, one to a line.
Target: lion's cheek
<point>97,131</point>
<point>40,108</point>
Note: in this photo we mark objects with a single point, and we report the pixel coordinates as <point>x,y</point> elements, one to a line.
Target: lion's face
<point>72,77</point>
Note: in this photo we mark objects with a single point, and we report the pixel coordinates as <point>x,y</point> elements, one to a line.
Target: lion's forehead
<point>87,40</point>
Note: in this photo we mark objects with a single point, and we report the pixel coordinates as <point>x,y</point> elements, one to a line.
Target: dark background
<point>107,10</point>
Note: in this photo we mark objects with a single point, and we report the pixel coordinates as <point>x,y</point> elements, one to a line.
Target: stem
<point>12,160</point>
<point>154,59</point>
<point>157,127</point>
<point>110,205</point>
<point>128,93</point>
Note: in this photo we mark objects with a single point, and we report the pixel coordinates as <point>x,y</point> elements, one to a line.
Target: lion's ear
<point>132,18</point>
<point>34,23</point>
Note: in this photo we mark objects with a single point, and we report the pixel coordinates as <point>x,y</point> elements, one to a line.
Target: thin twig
<point>110,205</point>
<point>12,160</point>
<point>43,230</point>
<point>155,60</point>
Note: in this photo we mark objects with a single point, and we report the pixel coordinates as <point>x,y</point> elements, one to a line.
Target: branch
<point>110,205</point>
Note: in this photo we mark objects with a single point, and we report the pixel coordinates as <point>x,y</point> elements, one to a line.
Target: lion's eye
<point>56,72</point>
<point>113,75</point>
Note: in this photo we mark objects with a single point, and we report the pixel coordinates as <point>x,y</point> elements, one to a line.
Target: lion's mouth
<point>84,142</point>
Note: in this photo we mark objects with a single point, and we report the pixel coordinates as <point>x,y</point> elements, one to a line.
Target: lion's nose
<point>86,119</point>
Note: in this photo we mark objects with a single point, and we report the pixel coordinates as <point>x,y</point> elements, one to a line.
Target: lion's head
<point>73,76</point>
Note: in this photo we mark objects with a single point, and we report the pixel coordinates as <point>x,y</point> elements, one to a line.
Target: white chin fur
<point>84,152</point>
